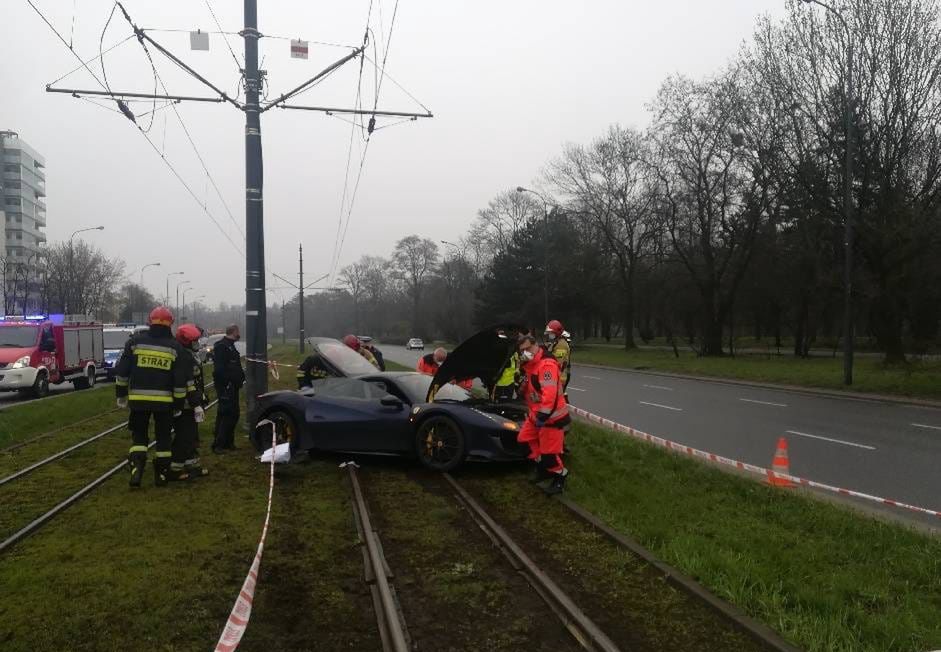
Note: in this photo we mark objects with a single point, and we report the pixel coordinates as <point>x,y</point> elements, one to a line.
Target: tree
<point>606,183</point>
<point>413,260</point>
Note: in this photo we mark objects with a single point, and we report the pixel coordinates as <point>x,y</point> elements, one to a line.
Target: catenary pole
<point>256,331</point>
<point>300,296</point>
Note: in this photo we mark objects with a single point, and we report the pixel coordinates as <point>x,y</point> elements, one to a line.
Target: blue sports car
<point>358,409</point>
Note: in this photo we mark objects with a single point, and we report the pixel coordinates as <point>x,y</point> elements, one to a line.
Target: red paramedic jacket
<point>543,391</point>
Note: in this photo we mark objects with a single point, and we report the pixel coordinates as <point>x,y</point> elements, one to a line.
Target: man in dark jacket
<point>151,380</point>
<point>229,377</point>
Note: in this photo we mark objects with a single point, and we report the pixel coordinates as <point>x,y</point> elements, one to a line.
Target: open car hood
<point>482,355</point>
<point>337,359</point>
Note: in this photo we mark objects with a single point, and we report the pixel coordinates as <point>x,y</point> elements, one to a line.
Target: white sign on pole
<point>298,49</point>
<point>199,40</point>
<point>280,330</point>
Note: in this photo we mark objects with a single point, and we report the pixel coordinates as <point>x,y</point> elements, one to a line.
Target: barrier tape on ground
<point>242,609</point>
<point>742,466</point>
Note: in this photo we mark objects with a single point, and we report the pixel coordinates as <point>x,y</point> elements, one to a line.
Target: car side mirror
<point>390,401</point>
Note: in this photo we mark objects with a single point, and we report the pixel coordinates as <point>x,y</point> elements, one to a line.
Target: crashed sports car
<point>357,409</point>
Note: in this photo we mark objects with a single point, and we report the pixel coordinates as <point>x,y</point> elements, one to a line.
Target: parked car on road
<point>415,343</point>
<point>114,340</point>
<point>357,409</point>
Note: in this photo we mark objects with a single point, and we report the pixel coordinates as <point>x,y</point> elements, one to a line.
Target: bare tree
<point>414,259</point>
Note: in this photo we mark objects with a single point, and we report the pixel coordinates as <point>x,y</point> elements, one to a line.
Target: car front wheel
<point>440,444</point>
<point>284,425</point>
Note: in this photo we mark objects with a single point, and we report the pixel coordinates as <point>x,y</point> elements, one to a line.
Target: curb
<point>792,389</point>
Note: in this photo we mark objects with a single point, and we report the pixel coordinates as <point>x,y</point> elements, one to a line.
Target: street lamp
<point>167,295</point>
<point>72,256</point>
<point>847,199</point>
<point>183,303</point>
<point>545,251</point>
<point>178,293</point>
<point>142,272</point>
<point>195,300</point>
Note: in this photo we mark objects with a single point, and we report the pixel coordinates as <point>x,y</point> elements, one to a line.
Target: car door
<point>347,414</point>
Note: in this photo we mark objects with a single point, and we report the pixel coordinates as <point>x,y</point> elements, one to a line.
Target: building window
<point>11,168</point>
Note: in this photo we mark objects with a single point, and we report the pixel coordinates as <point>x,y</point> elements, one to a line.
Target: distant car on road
<point>114,340</point>
<point>415,343</point>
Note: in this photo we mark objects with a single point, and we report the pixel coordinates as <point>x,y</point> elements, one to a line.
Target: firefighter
<point>548,420</point>
<point>558,346</point>
<point>430,363</point>
<point>151,379</point>
<point>376,353</point>
<point>184,461</point>
<point>309,370</point>
<point>228,375</point>
<point>353,342</point>
<point>506,383</point>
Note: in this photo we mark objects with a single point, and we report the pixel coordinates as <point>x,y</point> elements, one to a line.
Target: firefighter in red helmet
<point>548,420</point>
<point>150,379</point>
<point>558,346</point>
<point>185,462</point>
<point>353,342</point>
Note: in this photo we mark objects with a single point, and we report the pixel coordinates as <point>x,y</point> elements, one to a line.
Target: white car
<point>415,343</point>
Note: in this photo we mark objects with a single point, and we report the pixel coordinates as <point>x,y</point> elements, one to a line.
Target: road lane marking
<point>835,441</point>
<point>576,389</point>
<point>591,377</point>
<point>922,425</point>
<point>669,389</point>
<point>665,407</point>
<point>749,400</point>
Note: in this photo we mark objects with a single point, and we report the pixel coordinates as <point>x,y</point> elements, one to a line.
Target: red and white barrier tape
<point>272,366</point>
<point>242,609</point>
<point>751,468</point>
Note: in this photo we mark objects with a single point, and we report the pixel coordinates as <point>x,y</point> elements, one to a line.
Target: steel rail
<point>585,631</point>
<point>38,522</point>
<point>63,453</point>
<point>391,626</point>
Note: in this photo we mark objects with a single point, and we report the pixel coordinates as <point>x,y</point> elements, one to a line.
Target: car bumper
<point>501,447</point>
<point>11,379</point>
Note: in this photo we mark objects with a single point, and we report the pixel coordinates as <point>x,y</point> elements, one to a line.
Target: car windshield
<point>416,386</point>
<point>116,339</point>
<point>18,336</point>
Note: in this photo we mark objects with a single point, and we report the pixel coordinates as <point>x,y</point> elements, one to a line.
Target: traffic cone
<point>781,465</point>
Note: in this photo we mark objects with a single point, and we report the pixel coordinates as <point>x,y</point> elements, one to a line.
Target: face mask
<point>551,336</point>
<point>528,355</point>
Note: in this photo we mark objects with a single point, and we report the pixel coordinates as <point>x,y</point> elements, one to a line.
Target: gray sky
<point>510,82</point>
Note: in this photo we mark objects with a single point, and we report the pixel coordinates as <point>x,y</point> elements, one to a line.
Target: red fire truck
<point>38,350</point>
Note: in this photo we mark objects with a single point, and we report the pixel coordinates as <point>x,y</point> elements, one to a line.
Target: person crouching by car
<point>184,461</point>
<point>376,353</point>
<point>353,342</point>
<point>430,363</point>
<point>548,419</point>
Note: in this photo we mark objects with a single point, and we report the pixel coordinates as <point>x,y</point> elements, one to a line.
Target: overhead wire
<point>224,36</point>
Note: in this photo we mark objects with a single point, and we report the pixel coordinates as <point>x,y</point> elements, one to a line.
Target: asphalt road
<point>888,450</point>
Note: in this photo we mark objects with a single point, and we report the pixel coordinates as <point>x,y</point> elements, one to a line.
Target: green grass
<point>915,379</point>
<point>395,366</point>
<point>829,579</point>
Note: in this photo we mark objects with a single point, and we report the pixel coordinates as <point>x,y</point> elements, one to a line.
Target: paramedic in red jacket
<point>544,429</point>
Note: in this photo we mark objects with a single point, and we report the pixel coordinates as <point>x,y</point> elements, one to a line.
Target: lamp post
<point>847,198</point>
<point>72,258</point>
<point>167,295</point>
<point>142,271</point>
<point>195,300</point>
<point>183,303</point>
<point>178,293</point>
<point>545,251</point>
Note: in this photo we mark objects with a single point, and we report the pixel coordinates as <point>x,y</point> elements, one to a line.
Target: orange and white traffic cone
<point>781,465</point>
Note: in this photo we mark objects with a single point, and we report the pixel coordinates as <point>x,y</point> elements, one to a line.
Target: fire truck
<point>39,350</point>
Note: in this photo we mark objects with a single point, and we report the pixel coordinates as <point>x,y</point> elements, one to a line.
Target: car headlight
<point>511,425</point>
<point>22,363</point>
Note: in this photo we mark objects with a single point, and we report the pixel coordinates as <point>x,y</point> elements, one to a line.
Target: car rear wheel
<point>440,444</point>
<point>285,426</point>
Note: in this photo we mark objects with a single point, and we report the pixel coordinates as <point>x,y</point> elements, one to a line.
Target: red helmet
<point>187,334</point>
<point>160,316</point>
<point>353,342</point>
<point>555,326</point>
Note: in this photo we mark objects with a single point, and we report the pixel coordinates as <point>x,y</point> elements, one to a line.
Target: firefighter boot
<point>136,462</point>
<point>557,485</point>
<point>177,472</point>
<point>161,471</point>
<point>540,472</point>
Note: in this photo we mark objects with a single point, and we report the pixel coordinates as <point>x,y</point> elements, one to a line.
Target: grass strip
<point>827,578</point>
<point>915,379</point>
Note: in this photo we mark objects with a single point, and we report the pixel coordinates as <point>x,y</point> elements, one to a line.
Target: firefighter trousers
<point>139,421</point>
<point>185,441</point>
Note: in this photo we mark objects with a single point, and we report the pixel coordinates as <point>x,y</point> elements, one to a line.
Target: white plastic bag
<point>282,454</point>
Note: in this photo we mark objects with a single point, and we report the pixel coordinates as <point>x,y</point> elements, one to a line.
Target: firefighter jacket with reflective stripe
<point>508,377</point>
<point>562,352</point>
<point>543,391</point>
<point>195,386</point>
<point>151,373</point>
<point>309,370</point>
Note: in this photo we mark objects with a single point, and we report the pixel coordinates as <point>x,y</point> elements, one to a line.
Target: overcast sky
<point>509,81</point>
